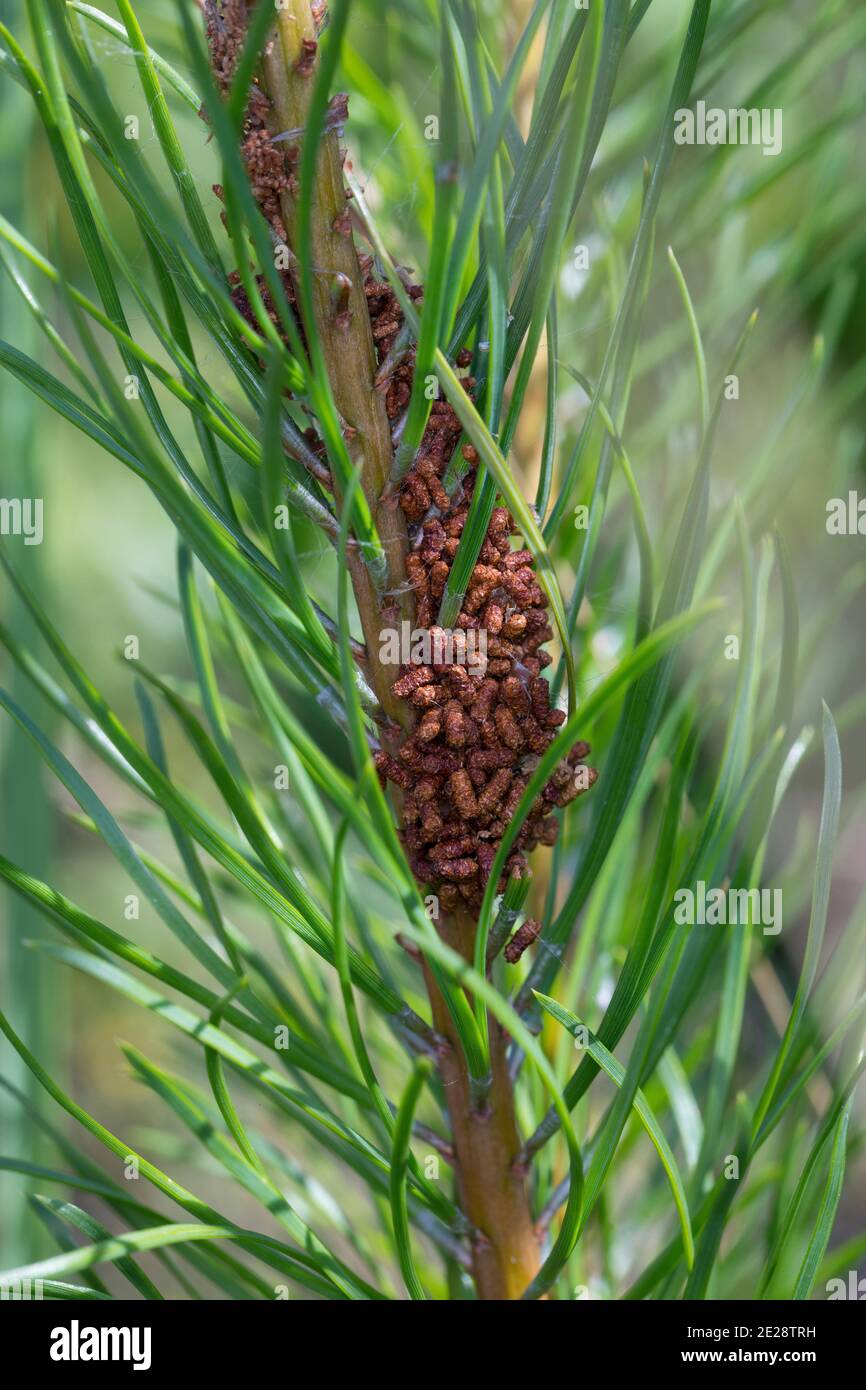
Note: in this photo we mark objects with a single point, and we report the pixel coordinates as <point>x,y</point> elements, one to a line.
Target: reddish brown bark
<point>492,1196</point>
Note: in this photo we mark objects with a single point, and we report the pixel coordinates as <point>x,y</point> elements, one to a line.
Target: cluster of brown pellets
<point>522,939</point>
<point>481,726</point>
<point>272,165</point>
<point>225,27</point>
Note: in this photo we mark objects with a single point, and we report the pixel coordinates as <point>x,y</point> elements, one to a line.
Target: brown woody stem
<point>343,329</point>
<point>492,1192</point>
<point>492,1196</point>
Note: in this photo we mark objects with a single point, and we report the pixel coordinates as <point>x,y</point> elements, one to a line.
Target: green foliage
<point>669,437</point>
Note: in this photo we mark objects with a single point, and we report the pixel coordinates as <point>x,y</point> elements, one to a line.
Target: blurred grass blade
<point>826,1218</point>
<point>616,1072</point>
<point>399,1164</point>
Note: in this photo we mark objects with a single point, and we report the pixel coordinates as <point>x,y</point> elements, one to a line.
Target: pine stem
<point>492,1196</point>
<point>492,1193</point>
<point>343,331</point>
